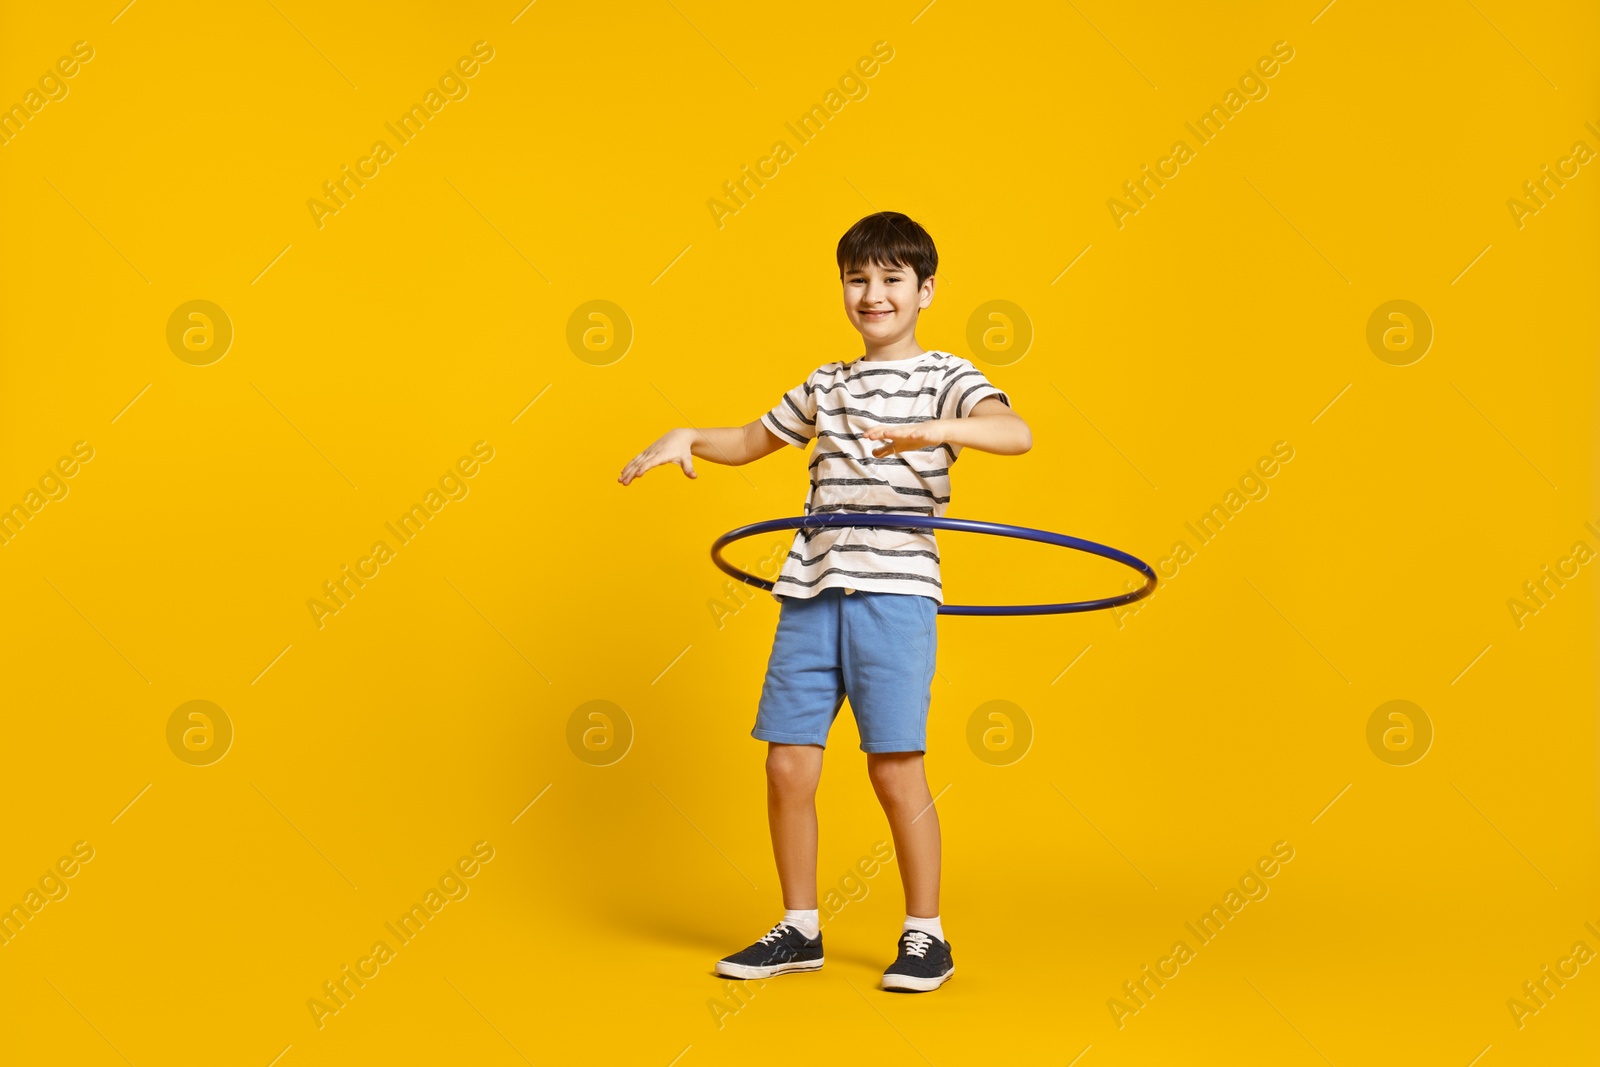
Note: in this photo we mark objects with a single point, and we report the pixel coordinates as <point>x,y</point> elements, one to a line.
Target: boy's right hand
<point>674,447</point>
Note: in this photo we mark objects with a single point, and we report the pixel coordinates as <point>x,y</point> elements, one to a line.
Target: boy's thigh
<point>804,685</point>
<point>889,645</point>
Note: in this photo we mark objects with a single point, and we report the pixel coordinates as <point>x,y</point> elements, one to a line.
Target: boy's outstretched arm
<point>730,445</point>
<point>991,427</point>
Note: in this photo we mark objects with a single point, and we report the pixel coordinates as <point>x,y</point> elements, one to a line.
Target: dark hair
<point>888,239</point>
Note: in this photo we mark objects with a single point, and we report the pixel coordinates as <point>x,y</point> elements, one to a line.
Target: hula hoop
<point>919,522</point>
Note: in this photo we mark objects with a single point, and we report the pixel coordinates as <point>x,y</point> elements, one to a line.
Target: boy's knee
<point>792,769</point>
<point>893,774</point>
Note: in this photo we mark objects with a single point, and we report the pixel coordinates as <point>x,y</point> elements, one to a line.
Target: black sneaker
<point>924,964</point>
<point>784,949</point>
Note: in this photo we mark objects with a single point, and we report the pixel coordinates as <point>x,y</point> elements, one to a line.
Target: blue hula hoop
<point>920,522</point>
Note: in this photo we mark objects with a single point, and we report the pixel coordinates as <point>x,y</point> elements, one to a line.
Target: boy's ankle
<point>804,920</point>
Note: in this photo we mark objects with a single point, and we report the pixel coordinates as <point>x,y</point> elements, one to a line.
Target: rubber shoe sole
<point>740,970</point>
<point>906,983</point>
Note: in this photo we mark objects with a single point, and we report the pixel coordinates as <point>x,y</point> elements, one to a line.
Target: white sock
<point>805,921</point>
<point>928,926</point>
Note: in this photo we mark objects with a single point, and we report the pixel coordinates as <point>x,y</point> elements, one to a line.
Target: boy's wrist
<point>943,430</point>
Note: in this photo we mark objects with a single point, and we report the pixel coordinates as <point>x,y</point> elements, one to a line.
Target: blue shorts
<point>875,648</point>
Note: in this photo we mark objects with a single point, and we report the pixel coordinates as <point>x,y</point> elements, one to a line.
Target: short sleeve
<point>964,385</point>
<point>794,418</point>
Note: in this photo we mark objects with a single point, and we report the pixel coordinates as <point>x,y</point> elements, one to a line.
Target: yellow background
<point>369,354</point>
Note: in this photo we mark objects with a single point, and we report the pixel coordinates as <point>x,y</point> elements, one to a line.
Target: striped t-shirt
<point>838,403</point>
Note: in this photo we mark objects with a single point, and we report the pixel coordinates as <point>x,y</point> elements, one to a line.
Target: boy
<point>858,604</point>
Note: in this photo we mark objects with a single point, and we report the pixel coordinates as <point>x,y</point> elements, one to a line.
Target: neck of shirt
<point>895,362</point>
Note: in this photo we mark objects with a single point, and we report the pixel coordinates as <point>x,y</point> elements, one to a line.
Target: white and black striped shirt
<point>838,403</point>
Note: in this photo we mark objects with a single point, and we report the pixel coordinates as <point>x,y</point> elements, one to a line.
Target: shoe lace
<point>916,943</point>
<point>774,934</point>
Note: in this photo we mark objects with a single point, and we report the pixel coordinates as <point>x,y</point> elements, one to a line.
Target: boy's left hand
<point>907,438</point>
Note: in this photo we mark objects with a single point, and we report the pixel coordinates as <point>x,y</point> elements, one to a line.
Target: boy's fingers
<point>645,461</point>
<point>633,469</point>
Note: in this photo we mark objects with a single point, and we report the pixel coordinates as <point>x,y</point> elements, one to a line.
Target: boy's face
<point>883,302</point>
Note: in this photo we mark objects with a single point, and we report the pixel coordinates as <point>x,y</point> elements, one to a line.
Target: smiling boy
<point>858,605</point>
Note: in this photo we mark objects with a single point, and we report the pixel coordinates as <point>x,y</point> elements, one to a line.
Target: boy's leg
<point>795,943</point>
<point>924,962</point>
<point>793,772</point>
<point>902,787</point>
<point>800,697</point>
<point>891,640</point>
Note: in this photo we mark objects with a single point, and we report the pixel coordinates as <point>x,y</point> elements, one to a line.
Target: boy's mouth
<point>876,315</point>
